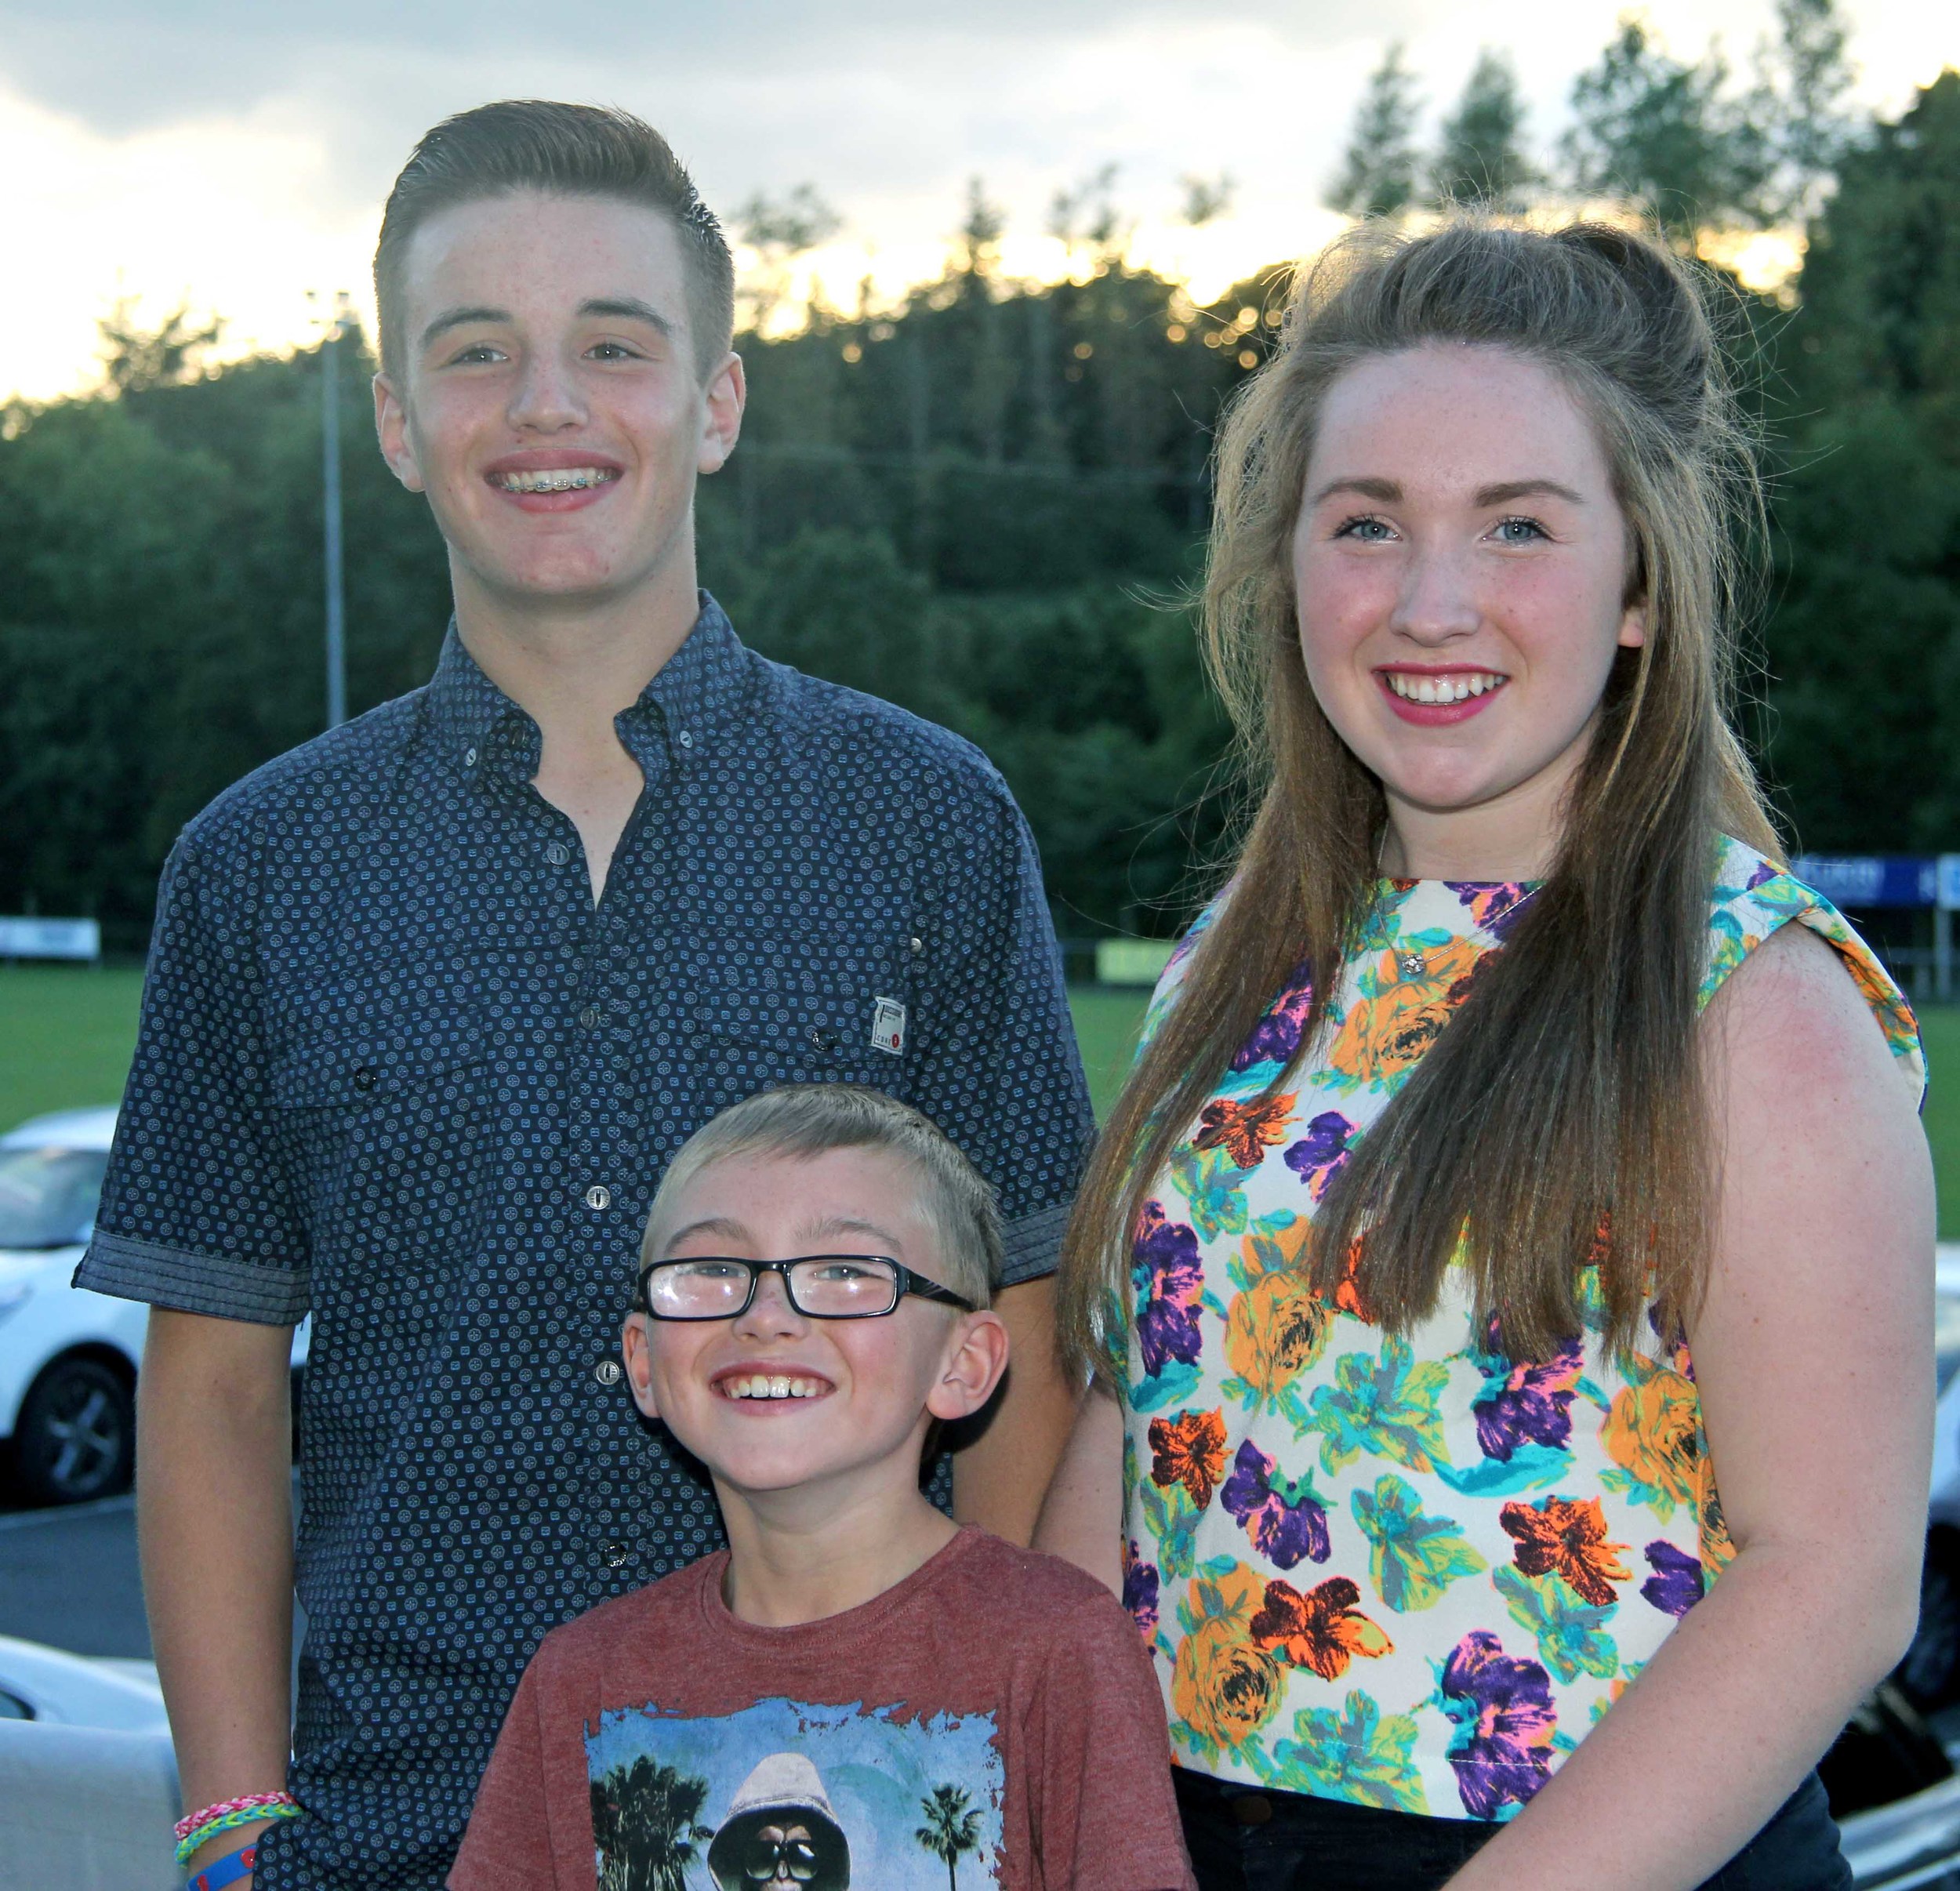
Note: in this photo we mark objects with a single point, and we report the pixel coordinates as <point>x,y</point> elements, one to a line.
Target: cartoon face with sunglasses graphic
<point>781,1833</point>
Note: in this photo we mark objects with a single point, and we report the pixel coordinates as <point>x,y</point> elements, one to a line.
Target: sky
<point>235,154</point>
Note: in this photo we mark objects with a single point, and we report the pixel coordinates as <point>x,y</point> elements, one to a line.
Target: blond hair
<point>799,1121</point>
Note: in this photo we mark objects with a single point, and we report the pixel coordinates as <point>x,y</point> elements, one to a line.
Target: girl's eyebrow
<point>1503,494</point>
<point>1389,491</point>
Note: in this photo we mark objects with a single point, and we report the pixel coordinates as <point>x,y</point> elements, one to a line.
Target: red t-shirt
<point>992,1720</point>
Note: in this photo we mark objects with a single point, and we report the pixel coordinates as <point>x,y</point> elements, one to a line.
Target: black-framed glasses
<point>820,1287</point>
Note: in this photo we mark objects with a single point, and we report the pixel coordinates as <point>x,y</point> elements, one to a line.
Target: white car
<point>68,1357</point>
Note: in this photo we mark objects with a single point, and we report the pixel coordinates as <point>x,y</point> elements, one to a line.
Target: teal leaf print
<point>1177,1385</point>
<point>1210,1184</point>
<point>1412,1558</point>
<point>1384,1407</point>
<point>1572,1640</point>
<point>1172,1520</point>
<point>1355,1755</point>
<point>1531,1467</point>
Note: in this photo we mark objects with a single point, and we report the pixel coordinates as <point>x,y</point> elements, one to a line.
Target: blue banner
<point>1871,880</point>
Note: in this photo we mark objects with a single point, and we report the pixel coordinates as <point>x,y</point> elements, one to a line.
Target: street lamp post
<point>330,480</point>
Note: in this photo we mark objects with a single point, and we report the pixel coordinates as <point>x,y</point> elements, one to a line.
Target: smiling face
<point>1460,567</point>
<point>550,403</point>
<point>771,1400</point>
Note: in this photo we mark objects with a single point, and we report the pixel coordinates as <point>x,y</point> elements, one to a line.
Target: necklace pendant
<point>1413,964</point>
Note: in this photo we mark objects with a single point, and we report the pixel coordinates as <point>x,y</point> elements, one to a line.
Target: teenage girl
<point>1508,1272</point>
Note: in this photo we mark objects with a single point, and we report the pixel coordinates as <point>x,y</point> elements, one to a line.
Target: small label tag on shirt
<point>888,1026</point>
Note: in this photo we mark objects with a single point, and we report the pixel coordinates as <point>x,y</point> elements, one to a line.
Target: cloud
<point>239,150</point>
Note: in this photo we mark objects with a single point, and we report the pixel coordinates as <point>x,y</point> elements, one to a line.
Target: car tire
<point>76,1435</point>
<point>1930,1673</point>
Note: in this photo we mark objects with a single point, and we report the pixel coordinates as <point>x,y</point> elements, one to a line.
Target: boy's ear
<point>391,428</point>
<point>637,1347</point>
<point>974,1361</point>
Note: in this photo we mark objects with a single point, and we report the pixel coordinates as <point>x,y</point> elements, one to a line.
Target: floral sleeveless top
<point>1409,1573</point>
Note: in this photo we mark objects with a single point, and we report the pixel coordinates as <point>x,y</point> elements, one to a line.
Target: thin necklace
<point>1415,962</point>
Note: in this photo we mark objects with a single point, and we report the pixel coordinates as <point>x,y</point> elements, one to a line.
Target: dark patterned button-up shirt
<point>397,1070</point>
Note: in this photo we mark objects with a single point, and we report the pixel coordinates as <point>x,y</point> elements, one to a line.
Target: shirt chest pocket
<point>765,1035</point>
<point>358,1056</point>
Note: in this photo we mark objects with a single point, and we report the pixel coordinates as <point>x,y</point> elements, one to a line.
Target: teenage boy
<point>855,1690</point>
<point>433,999</point>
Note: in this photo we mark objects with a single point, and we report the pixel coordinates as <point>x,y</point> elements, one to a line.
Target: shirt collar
<point>695,693</point>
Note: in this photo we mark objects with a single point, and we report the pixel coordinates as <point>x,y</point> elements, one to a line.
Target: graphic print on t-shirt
<point>785,1796</point>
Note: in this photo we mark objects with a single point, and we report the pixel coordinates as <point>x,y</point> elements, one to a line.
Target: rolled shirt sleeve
<point>197,1210</point>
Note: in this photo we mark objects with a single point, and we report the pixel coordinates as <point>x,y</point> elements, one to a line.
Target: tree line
<point>989,505</point>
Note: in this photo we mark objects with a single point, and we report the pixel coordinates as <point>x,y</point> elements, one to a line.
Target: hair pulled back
<point>1558,1118</point>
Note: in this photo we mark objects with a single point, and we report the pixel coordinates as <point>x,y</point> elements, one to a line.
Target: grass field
<point>65,1033</point>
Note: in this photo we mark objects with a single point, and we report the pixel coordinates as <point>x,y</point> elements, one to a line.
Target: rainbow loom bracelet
<point>228,1822</point>
<point>191,1821</point>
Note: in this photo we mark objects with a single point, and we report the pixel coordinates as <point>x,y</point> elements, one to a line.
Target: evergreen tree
<point>1800,104</point>
<point>1378,174</point>
<point>1864,647</point>
<point>1665,135</point>
<point>1482,159</point>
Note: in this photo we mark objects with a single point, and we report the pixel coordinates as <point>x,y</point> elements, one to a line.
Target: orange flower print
<point>1223,1690</point>
<point>1322,1630</point>
<point>1243,1130</point>
<point>1566,1536</point>
<point>1653,1433</point>
<point>1274,1331</point>
<point>1717,1546</point>
<point>1383,1035</point>
<point>1189,1450</point>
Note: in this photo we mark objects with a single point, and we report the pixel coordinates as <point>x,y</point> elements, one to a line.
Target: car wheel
<point>1930,1672</point>
<point>76,1438</point>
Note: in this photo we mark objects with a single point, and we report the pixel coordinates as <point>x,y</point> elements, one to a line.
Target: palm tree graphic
<point>951,1829</point>
<point>645,1825</point>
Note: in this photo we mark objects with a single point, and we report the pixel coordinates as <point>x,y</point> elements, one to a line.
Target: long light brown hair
<point>1559,1115</point>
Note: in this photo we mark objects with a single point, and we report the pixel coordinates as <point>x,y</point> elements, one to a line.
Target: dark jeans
<point>1244,1839</point>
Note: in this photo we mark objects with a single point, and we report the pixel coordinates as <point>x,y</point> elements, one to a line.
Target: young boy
<point>857,1690</point>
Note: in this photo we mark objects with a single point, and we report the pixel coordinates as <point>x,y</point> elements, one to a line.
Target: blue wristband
<point>227,1870</point>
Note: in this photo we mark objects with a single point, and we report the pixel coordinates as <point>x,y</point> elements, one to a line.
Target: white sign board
<point>50,938</point>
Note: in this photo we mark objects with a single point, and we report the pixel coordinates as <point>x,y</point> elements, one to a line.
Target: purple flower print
<point>1140,1591</point>
<point>1276,1036</point>
<point>1505,1718</point>
<point>1169,1279</point>
<point>1494,904</point>
<point>1525,1403</point>
<point>1285,1522</point>
<point>1764,871</point>
<point>1322,1154</point>
<point>1676,1585</point>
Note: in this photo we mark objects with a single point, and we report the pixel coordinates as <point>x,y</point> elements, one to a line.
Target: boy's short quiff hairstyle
<point>569,150</point>
<point>803,1120</point>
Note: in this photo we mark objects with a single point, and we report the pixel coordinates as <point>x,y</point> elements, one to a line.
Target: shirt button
<point>598,1195</point>
<point>824,1038</point>
<point>616,1555</point>
<point>557,853</point>
<point>364,1078</point>
<point>469,758</point>
<point>590,1018</point>
<point>687,738</point>
<point>607,1372</point>
<point>918,946</point>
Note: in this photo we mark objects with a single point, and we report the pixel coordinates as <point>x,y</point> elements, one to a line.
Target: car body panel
<point>43,1316</point>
